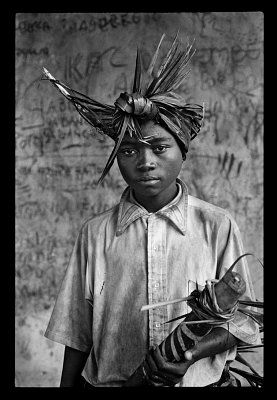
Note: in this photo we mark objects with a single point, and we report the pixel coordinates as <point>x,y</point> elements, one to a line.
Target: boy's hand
<point>163,373</point>
<point>155,371</point>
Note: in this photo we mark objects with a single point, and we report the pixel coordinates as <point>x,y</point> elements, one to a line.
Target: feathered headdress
<point>151,98</point>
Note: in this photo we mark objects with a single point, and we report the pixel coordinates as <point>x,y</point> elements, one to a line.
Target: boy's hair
<point>152,98</point>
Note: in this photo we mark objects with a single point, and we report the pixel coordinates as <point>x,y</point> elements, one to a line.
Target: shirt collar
<point>175,211</point>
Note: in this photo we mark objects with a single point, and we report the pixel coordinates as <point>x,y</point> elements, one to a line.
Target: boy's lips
<point>148,178</point>
<point>148,181</point>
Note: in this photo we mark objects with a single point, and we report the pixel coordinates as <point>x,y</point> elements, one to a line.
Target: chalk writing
<point>227,162</point>
<point>102,23</point>
<point>25,26</point>
<point>220,56</point>
<point>121,84</point>
<point>59,157</point>
<point>79,67</point>
<point>21,52</point>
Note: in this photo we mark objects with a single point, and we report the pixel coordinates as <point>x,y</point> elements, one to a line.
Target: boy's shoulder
<point>95,221</point>
<point>209,209</point>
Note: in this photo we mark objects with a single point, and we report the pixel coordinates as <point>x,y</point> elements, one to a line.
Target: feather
<point>240,359</point>
<point>164,303</point>
<point>175,319</point>
<point>234,263</point>
<point>257,304</point>
<point>202,321</point>
<point>61,86</point>
<point>166,61</point>
<point>246,351</point>
<point>96,114</point>
<point>171,126</point>
<point>137,78</point>
<point>253,378</point>
<point>170,54</point>
<point>154,58</point>
<point>170,98</point>
<point>172,71</point>
<point>115,149</point>
<point>250,346</point>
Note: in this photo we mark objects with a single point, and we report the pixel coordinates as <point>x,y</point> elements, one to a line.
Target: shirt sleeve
<point>242,326</point>
<point>71,320</point>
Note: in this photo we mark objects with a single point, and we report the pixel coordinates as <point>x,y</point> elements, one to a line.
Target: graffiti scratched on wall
<point>59,157</point>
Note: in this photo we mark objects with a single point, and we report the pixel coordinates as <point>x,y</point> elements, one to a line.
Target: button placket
<point>156,276</point>
<point>149,272</point>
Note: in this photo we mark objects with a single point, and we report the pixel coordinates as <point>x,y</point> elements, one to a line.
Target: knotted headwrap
<point>152,98</point>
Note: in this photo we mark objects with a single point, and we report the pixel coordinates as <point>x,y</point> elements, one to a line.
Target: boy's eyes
<point>156,149</point>
<point>127,152</point>
<point>160,149</point>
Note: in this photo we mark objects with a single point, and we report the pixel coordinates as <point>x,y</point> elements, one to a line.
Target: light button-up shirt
<point>127,257</point>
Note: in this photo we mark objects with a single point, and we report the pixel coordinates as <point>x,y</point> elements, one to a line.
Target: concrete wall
<point>59,157</point>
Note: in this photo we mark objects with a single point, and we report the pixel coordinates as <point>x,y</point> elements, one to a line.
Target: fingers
<point>154,375</point>
<point>161,372</point>
<point>153,379</point>
<point>171,369</point>
<point>188,355</point>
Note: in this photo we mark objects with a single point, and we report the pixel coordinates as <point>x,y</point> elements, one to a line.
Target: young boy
<point>154,246</point>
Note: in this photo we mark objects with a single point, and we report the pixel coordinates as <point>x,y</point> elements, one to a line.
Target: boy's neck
<point>155,203</point>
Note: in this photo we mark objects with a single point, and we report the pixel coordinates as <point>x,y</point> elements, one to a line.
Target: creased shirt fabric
<point>127,257</point>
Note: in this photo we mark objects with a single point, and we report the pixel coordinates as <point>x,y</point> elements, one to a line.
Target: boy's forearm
<point>156,371</point>
<point>73,364</point>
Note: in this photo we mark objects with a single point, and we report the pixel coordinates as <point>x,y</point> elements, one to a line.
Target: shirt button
<point>157,285</point>
<point>155,248</point>
<point>157,324</point>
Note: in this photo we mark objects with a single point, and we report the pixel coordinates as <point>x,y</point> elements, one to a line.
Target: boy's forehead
<point>156,133</point>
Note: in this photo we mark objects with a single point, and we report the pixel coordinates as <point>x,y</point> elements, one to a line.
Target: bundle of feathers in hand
<point>214,306</point>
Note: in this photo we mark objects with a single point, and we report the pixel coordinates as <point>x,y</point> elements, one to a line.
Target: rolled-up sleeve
<point>242,326</point>
<point>71,320</point>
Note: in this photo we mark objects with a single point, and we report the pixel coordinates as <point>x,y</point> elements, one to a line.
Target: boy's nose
<point>146,161</point>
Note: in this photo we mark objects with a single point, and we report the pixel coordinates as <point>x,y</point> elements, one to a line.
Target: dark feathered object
<point>153,97</point>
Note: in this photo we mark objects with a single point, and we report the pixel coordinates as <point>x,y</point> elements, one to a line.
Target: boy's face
<point>150,169</point>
